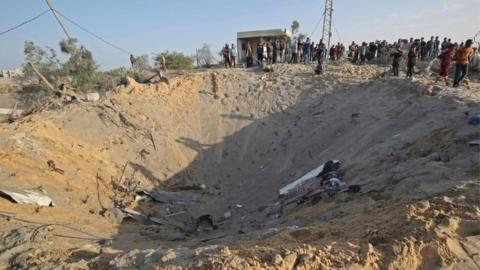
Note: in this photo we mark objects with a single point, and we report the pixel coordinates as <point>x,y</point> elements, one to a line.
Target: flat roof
<point>264,33</point>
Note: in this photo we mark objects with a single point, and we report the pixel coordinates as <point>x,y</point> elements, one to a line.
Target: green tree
<point>295,27</point>
<point>142,63</point>
<point>174,60</point>
<point>45,60</point>
<point>80,65</point>
<point>302,36</point>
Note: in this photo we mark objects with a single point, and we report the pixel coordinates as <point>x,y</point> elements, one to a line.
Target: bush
<point>108,80</point>
<point>80,66</point>
<point>45,60</point>
<point>141,63</point>
<point>174,60</point>
<point>79,70</point>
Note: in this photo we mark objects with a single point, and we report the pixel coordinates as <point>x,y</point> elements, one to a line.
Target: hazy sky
<point>150,26</point>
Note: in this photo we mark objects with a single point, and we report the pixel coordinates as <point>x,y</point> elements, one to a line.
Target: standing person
<point>436,47</point>
<point>412,59</point>
<point>300,51</point>
<point>462,57</point>
<point>275,47</point>
<point>352,51</point>
<point>429,47</point>
<point>397,58</point>
<point>294,50</point>
<point>269,52</point>
<point>226,56</point>
<point>260,53</point>
<point>312,50</point>
<point>265,51</point>
<point>444,45</point>
<point>233,55</point>
<point>320,57</point>
<point>249,54</point>
<point>307,51</point>
<point>332,53</point>
<point>423,52</point>
<point>283,49</point>
<point>363,52</point>
<point>446,58</point>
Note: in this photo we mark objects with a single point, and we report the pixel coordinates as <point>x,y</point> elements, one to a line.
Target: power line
<point>317,25</point>
<point>25,22</point>
<point>336,31</point>
<point>93,34</point>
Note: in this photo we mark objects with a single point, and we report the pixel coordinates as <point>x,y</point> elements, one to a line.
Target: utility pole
<point>327,23</point>
<point>58,19</point>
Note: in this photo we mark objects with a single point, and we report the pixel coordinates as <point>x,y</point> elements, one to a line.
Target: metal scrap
<point>53,167</point>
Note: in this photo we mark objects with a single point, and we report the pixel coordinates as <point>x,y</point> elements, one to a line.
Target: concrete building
<point>11,73</point>
<point>256,37</point>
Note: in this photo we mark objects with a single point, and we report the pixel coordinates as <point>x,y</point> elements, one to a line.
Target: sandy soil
<point>226,141</point>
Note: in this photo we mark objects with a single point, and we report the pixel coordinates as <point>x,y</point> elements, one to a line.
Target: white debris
<point>4,111</point>
<point>93,96</point>
<point>28,197</point>
<point>227,215</point>
<point>311,174</point>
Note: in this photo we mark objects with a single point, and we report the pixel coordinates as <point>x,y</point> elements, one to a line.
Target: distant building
<point>256,37</point>
<point>11,73</point>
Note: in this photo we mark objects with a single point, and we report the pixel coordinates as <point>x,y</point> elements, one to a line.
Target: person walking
<point>462,57</point>
<point>446,58</point>
<point>233,56</point>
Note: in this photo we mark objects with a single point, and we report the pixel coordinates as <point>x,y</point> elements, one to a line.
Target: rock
<point>290,260</point>
<point>93,96</point>
<point>114,215</point>
<point>169,255</point>
<point>227,215</point>
<point>423,205</point>
<point>277,260</point>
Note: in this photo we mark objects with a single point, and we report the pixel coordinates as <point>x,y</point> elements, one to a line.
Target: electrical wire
<point>93,34</point>
<point>25,22</point>
<point>336,31</point>
<point>317,25</point>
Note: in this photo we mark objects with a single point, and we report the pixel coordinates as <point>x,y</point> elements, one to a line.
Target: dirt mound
<point>198,164</point>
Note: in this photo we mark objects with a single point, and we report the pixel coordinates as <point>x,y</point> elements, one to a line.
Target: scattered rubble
<point>172,176</point>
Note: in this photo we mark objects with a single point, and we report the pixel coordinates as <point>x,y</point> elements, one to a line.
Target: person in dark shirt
<point>397,58</point>
<point>423,49</point>
<point>260,53</point>
<point>412,59</point>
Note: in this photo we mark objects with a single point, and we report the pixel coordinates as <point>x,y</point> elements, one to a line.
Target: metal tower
<point>327,22</point>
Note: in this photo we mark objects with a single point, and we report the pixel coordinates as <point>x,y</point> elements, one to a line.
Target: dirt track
<point>231,139</point>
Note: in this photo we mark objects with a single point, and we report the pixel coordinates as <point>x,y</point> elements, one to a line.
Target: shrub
<point>174,60</point>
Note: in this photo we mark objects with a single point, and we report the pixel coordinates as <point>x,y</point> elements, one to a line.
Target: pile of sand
<point>233,138</point>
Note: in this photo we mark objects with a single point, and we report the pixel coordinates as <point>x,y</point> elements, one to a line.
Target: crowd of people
<point>381,52</point>
<point>421,50</point>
